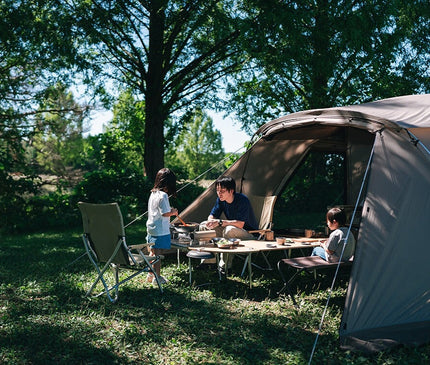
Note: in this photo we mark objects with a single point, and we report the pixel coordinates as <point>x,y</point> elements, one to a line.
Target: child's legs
<point>156,252</point>
<point>319,251</point>
<point>159,243</point>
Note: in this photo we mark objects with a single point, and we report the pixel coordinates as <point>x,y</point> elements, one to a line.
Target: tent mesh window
<point>319,182</point>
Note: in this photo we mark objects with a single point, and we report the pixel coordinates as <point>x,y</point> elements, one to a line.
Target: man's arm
<point>213,222</point>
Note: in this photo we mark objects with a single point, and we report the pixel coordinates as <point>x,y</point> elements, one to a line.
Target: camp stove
<point>183,238</point>
<point>191,238</point>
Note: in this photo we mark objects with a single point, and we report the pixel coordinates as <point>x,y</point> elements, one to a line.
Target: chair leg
<point>287,284</point>
<point>190,269</point>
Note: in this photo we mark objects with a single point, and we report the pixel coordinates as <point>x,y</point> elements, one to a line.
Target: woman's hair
<point>336,214</point>
<point>165,180</point>
<point>226,182</point>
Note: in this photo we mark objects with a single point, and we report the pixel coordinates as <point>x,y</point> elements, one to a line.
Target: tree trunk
<point>320,62</point>
<point>154,138</point>
<point>154,107</point>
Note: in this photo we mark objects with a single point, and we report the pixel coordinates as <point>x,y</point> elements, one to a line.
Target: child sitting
<point>331,250</point>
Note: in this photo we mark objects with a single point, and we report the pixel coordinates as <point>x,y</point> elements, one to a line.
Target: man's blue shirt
<point>240,209</point>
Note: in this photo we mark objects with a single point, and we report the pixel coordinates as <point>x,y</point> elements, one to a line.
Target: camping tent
<point>388,298</point>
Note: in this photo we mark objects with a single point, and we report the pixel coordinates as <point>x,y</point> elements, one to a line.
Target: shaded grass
<point>45,318</point>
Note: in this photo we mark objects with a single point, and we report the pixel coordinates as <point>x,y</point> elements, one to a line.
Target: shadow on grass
<point>45,317</point>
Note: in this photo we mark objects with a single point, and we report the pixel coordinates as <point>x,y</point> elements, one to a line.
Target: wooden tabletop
<point>256,246</point>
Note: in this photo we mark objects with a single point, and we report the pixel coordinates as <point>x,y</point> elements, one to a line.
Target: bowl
<point>222,242</point>
<point>234,241</point>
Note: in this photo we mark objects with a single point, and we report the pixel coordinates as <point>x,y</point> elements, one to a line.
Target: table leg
<point>178,257</point>
<point>250,270</point>
<point>245,264</point>
<point>217,266</point>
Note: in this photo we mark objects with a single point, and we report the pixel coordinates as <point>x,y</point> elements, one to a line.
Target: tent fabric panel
<point>405,111</point>
<point>271,161</point>
<point>358,151</point>
<point>423,134</point>
<point>389,280</point>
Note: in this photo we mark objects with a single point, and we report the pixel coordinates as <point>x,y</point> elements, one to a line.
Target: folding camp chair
<point>310,264</point>
<point>263,207</point>
<point>105,244</point>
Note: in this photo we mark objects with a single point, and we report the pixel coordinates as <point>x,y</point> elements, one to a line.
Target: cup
<point>309,233</point>
<point>280,240</point>
<point>270,236</point>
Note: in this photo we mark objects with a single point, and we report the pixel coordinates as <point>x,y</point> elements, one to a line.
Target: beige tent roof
<point>411,111</point>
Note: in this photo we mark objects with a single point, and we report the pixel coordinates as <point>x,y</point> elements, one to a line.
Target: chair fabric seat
<point>308,264</point>
<point>194,254</point>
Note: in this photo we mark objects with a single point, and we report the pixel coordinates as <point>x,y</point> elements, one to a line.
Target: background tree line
<point>158,64</point>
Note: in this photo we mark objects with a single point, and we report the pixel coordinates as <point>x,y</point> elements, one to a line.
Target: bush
<point>56,210</point>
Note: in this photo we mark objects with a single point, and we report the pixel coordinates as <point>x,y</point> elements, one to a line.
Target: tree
<point>57,143</point>
<point>34,54</point>
<point>121,146</point>
<point>322,53</point>
<point>197,148</point>
<point>170,51</point>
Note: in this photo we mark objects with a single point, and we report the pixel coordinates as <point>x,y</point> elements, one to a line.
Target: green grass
<point>46,319</point>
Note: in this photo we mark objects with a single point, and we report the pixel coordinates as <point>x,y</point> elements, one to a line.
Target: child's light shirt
<point>158,204</point>
<point>335,243</point>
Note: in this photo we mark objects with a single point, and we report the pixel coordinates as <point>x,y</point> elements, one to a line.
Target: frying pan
<point>190,227</point>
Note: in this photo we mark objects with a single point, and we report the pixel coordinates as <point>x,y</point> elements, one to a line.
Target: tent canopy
<point>388,299</point>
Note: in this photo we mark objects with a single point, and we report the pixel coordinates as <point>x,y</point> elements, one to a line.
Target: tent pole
<point>416,141</point>
<point>343,247</point>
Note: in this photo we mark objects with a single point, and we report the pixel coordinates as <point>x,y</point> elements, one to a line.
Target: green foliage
<point>315,54</point>
<point>187,193</point>
<point>169,53</point>
<point>128,188</point>
<point>56,144</point>
<point>196,148</point>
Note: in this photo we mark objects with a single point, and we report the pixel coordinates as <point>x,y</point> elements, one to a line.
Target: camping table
<point>266,246</point>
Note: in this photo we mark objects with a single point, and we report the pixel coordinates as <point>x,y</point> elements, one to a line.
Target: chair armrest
<point>139,247</point>
<point>259,231</point>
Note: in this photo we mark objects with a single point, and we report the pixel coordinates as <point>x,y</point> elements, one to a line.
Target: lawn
<point>46,319</point>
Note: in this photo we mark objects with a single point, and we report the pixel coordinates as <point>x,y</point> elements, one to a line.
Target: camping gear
<point>388,298</point>
<point>105,244</point>
<point>182,228</point>
<point>310,264</point>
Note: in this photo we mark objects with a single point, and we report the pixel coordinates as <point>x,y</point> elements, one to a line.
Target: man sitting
<point>238,211</point>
